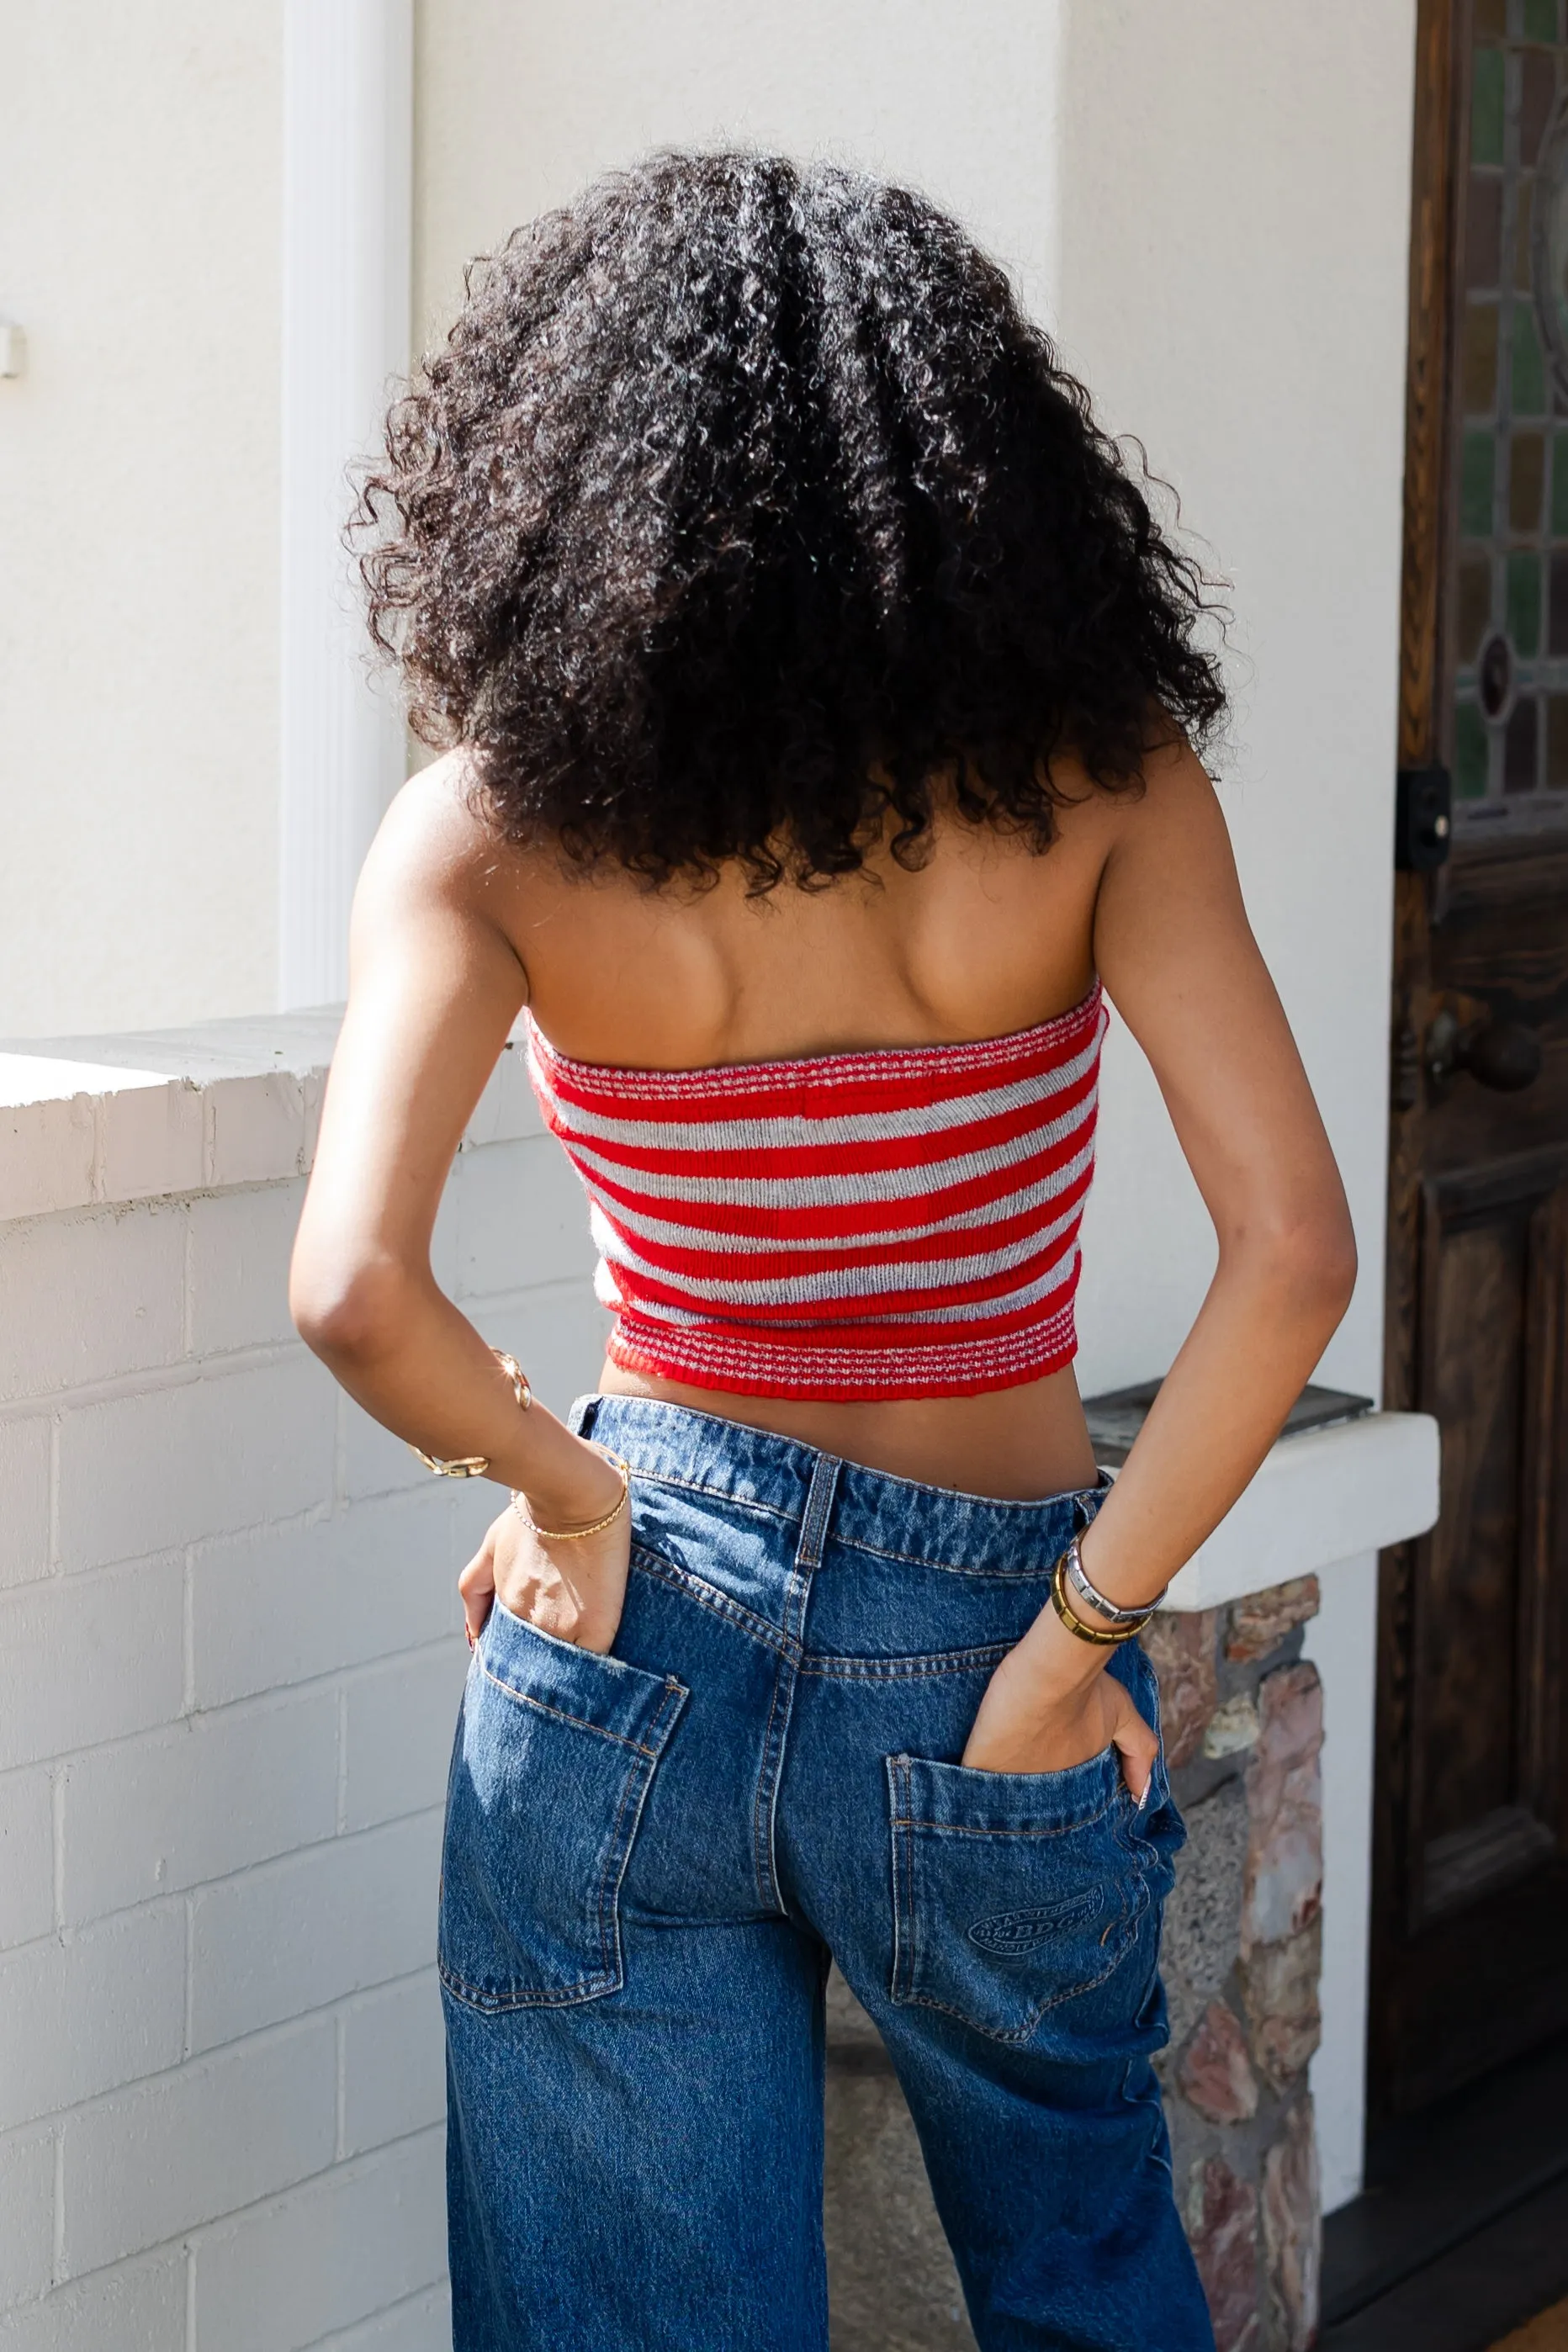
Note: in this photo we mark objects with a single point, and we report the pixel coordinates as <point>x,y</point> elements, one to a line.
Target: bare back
<point>985,938</point>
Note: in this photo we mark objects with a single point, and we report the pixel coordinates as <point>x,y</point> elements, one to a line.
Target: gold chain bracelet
<point>474,1465</point>
<point>575,1535</point>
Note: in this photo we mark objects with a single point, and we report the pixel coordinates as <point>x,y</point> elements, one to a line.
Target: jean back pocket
<point>556,1752</point>
<point>1013,1892</point>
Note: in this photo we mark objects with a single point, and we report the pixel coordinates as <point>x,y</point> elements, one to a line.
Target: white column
<point>1341,1642</point>
<point>347,198</point>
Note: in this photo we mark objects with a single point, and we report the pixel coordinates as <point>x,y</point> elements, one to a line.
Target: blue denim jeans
<point>649,1857</point>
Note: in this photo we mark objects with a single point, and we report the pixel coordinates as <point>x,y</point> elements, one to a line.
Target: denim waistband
<point>756,1470</point>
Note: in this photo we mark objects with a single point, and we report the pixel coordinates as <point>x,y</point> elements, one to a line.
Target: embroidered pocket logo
<point>1011,1933</point>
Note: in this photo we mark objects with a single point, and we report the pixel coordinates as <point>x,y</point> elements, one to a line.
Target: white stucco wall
<point>515,107</point>
<point>138,513</point>
<point>1231,280</point>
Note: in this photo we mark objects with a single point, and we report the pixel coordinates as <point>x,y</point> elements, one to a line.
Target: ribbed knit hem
<point>702,1357</point>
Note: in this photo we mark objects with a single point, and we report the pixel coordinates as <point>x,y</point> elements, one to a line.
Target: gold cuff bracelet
<point>474,1465</point>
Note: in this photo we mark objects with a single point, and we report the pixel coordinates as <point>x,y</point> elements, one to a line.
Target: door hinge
<point>1422,819</point>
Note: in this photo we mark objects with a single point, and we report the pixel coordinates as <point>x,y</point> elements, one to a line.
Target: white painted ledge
<point>92,1122</point>
<point>1327,1494</point>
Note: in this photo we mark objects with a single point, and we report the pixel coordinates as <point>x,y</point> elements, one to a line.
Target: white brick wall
<point>230,1655</point>
<point>25,1457</point>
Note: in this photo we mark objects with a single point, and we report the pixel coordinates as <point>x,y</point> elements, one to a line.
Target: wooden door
<point>1470,1904</point>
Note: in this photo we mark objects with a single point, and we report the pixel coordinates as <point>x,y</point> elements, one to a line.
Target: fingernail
<point>470,1632</point>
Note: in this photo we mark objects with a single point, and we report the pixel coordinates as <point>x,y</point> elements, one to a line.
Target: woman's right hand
<point>1049,1706</point>
<point>574,1590</point>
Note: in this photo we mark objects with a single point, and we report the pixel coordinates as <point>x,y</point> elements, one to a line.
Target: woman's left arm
<point>1174,948</point>
<point>434,986</point>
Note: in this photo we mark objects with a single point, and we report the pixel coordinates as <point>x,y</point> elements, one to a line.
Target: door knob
<point>1502,1055</point>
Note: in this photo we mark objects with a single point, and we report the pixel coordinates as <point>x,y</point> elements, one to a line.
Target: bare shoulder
<point>1170,905</point>
<point>436,832</point>
<point>1159,841</point>
<point>438,844</point>
<point>1167,837</point>
<point>1174,798</point>
<point>440,882</point>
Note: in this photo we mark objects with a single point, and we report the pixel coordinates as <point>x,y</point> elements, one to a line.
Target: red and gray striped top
<point>895,1222</point>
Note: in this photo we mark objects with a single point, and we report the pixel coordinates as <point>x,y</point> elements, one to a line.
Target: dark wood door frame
<point>1492,1170</point>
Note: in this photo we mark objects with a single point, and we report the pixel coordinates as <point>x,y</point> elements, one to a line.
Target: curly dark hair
<point>741,506</point>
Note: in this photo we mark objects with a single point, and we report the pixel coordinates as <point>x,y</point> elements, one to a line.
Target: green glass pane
<point>1529,378</point>
<point>1475,605</point>
<point>1523,604</point>
<point>1487,107</point>
<point>1476,484</point>
<point>1560,485</point>
<point>1557,743</point>
<point>1477,360</point>
<point>1522,746</point>
<point>1541,20</point>
<point>1525,213</point>
<point>1470,753</point>
<point>1525,472</point>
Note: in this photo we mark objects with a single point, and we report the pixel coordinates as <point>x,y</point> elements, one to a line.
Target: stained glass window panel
<point>1523,604</point>
<point>1476,484</point>
<point>1471,747</point>
<point>1528,382</point>
<point>1526,473</point>
<point>1520,749</point>
<point>1483,231</point>
<point>1507,594</point>
<point>1487,110</point>
<point>1475,605</point>
<point>1537,91</point>
<point>1522,246</point>
<point>1480,359</point>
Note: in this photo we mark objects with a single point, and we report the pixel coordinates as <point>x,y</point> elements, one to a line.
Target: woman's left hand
<point>574,1590</point>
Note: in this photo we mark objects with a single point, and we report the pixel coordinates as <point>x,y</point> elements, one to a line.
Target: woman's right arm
<point>434,989</point>
<point>1179,961</point>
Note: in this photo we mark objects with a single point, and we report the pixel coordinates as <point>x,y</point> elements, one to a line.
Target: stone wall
<point>1244,1726</point>
<point>1243,1723</point>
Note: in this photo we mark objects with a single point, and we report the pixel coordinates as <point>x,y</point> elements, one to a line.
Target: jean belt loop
<point>584,1412</point>
<point>1085,1504</point>
<point>818,1510</point>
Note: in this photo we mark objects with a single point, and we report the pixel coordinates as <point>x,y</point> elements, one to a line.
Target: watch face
<point>1549,245</point>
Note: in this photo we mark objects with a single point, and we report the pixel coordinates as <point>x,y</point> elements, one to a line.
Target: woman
<point>820,699</point>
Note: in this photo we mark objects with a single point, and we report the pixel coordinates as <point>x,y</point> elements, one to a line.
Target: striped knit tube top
<point>897,1223</point>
